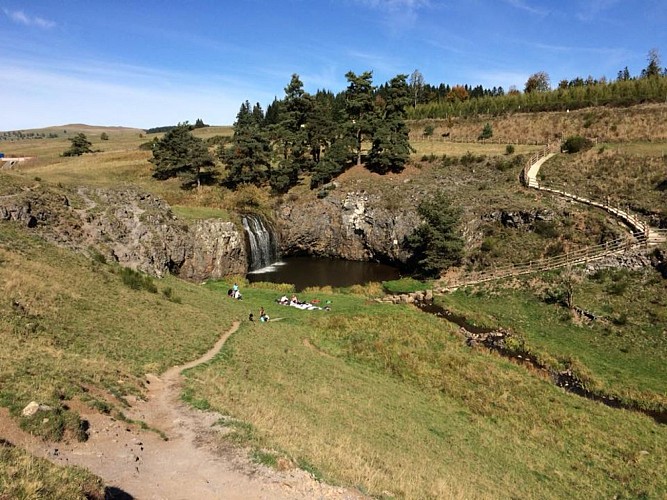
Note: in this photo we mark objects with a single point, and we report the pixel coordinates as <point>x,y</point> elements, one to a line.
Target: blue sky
<point>146,63</point>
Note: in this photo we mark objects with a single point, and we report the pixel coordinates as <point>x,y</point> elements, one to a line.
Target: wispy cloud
<point>396,4</point>
<point>523,5</point>
<point>592,9</point>
<point>375,62</point>
<point>399,15</point>
<point>116,94</point>
<point>20,17</point>
<point>609,52</point>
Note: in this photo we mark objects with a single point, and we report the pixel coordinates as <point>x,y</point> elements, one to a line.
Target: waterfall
<point>261,242</point>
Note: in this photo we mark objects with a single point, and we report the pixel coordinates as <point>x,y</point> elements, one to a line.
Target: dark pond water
<point>303,272</point>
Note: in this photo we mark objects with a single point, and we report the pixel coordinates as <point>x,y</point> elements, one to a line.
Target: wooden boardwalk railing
<point>641,236</point>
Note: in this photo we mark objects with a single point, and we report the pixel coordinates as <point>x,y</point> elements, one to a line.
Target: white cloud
<point>396,4</point>
<point>592,9</point>
<point>523,5</point>
<point>20,17</point>
<point>376,63</point>
<point>398,15</point>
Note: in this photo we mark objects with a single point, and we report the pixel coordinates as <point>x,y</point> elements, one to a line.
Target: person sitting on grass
<point>263,317</point>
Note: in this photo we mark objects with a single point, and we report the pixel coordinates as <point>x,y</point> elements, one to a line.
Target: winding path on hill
<point>642,235</point>
<point>193,463</point>
<point>651,235</point>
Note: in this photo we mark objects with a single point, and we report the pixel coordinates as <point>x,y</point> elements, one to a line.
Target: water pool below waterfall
<point>304,272</point>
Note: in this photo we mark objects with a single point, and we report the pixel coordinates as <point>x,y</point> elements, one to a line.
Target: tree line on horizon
<point>462,100</point>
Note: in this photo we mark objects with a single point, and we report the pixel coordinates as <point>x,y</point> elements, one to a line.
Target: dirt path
<point>191,464</point>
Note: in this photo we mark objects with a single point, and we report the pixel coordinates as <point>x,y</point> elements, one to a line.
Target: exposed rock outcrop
<point>354,225</point>
<point>135,229</point>
<point>520,219</point>
<point>218,249</point>
<point>425,296</point>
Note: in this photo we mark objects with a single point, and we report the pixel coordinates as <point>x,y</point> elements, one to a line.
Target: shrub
<point>168,294</point>
<point>509,149</point>
<point>503,164</point>
<point>576,143</point>
<point>137,281</point>
<point>546,229</point>
<point>469,158</point>
<point>446,161</point>
<point>488,245</point>
<point>98,257</point>
<point>554,249</point>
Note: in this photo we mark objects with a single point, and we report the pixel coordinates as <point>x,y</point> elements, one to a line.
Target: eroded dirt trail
<point>191,464</point>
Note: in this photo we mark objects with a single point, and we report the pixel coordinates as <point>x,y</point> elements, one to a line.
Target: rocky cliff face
<point>135,229</point>
<point>354,225</point>
<point>140,231</point>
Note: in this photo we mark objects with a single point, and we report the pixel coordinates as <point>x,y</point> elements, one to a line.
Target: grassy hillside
<point>384,398</point>
<point>645,123</point>
<point>631,175</point>
<point>381,397</point>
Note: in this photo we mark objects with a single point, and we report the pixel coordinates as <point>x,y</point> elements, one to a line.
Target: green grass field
<point>623,353</point>
<point>379,397</point>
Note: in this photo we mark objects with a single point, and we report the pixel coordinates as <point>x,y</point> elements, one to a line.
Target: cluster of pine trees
<point>318,135</point>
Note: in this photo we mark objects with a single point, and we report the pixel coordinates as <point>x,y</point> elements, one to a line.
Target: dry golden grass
<point>637,123</point>
<point>626,175</point>
<point>119,163</point>
<point>25,477</point>
<point>440,147</point>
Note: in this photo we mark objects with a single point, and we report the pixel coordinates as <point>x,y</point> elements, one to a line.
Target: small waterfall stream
<point>262,242</point>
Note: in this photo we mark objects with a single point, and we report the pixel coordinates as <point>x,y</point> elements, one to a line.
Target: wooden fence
<point>641,236</point>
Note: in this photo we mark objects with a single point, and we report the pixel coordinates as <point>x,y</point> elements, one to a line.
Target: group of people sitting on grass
<point>284,301</point>
<point>234,292</point>
<point>263,317</point>
<point>294,302</point>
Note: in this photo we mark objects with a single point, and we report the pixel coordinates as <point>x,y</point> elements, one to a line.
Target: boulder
<point>33,408</point>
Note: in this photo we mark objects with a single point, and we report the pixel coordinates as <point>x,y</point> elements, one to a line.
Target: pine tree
<point>487,132</point>
<point>290,136</point>
<point>180,154</point>
<point>80,145</point>
<point>653,68</point>
<point>390,148</point>
<point>248,158</point>
<point>436,244</point>
<point>359,107</point>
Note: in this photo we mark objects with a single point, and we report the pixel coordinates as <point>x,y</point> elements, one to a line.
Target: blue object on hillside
<point>2,155</point>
